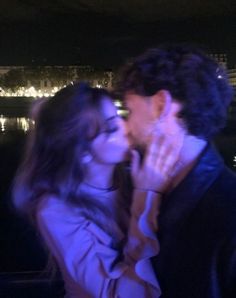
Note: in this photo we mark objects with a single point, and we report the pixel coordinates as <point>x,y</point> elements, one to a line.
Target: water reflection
<point>8,124</point>
<point>15,129</point>
<point>2,122</point>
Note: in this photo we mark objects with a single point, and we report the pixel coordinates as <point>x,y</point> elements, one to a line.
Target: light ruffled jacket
<point>85,255</point>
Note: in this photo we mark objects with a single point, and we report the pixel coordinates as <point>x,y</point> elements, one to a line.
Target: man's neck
<point>190,152</point>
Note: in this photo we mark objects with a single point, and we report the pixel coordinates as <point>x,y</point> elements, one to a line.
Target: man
<point>172,88</point>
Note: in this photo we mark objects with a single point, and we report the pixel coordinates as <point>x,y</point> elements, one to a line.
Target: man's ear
<point>161,102</point>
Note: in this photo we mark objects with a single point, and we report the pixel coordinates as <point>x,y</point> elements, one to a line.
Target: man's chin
<point>136,142</point>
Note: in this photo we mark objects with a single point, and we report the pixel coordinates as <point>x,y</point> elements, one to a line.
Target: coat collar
<point>178,204</point>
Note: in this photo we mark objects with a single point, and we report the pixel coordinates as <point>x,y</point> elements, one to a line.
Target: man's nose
<point>127,130</point>
<point>123,126</point>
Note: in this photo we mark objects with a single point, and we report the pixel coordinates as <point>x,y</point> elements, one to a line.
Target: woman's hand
<point>156,171</point>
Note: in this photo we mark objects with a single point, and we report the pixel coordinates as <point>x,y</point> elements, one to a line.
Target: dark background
<point>104,33</point>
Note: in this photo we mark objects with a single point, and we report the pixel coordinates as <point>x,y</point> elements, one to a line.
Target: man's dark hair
<point>192,78</point>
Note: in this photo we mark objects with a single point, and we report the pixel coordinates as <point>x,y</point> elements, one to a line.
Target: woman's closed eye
<point>111,129</point>
<point>111,125</point>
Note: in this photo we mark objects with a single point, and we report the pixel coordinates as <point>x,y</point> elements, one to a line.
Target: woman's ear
<point>161,102</point>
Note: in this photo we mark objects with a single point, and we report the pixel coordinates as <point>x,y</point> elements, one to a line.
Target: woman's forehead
<point>108,109</point>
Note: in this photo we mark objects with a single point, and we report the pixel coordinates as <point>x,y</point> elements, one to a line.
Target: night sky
<point>105,33</point>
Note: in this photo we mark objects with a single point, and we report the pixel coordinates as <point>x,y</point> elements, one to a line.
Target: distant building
<point>232,78</point>
<point>6,69</point>
<point>45,81</point>
<point>220,58</point>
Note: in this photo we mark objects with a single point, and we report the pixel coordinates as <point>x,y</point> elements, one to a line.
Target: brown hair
<point>65,125</point>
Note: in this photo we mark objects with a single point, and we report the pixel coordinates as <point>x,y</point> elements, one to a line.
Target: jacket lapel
<point>177,206</point>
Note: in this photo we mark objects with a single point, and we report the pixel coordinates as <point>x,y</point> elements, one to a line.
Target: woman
<point>68,183</point>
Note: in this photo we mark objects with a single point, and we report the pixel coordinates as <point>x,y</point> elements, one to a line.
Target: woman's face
<point>111,146</point>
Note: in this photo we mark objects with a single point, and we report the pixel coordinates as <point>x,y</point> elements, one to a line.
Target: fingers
<point>167,164</point>
<point>162,155</point>
<point>158,166</point>
<point>153,150</point>
<point>169,153</point>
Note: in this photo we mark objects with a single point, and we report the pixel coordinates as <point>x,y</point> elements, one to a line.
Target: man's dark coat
<point>197,233</point>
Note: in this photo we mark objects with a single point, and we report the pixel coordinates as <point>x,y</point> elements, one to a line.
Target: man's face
<point>156,115</point>
<point>140,118</point>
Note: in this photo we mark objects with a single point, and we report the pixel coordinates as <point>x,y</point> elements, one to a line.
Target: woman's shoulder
<point>52,207</point>
<point>53,213</point>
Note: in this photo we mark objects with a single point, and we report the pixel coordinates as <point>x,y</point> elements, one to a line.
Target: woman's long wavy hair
<point>53,164</point>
